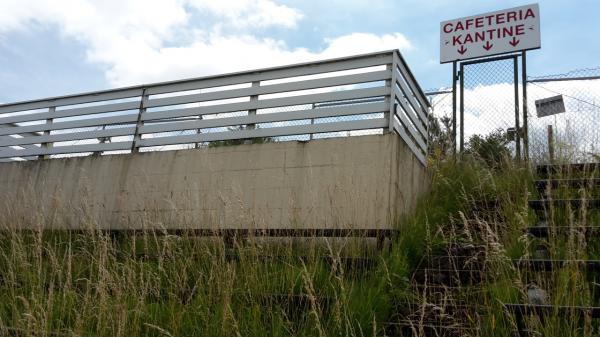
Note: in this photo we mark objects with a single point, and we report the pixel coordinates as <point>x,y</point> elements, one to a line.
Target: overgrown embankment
<point>474,220</point>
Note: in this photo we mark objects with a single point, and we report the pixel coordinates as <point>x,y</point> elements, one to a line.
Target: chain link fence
<point>572,135</point>
<point>489,98</point>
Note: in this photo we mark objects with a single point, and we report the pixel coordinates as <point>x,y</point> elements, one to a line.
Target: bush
<point>491,148</point>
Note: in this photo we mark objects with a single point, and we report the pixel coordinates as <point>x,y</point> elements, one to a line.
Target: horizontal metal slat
<point>306,69</point>
<point>66,149</point>
<point>265,118</point>
<point>272,89</point>
<point>63,137</point>
<point>411,129</point>
<point>123,119</point>
<point>410,112</point>
<point>410,79</point>
<point>91,97</point>
<point>413,121</point>
<point>418,116</point>
<point>269,103</point>
<point>409,142</point>
<point>71,112</point>
<point>3,138</point>
<point>267,132</point>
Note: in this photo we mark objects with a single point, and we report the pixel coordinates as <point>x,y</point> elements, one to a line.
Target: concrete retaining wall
<point>361,182</point>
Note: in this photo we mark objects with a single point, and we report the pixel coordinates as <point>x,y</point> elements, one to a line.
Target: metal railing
<point>331,96</point>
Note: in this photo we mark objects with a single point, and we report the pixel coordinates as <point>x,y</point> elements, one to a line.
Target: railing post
<point>49,122</point>
<point>525,126</point>
<point>390,100</point>
<point>392,86</point>
<point>252,112</point>
<point>197,145</point>
<point>312,121</point>
<point>135,147</point>
<point>551,144</point>
<point>102,140</point>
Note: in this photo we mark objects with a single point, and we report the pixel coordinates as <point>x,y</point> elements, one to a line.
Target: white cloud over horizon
<point>134,42</point>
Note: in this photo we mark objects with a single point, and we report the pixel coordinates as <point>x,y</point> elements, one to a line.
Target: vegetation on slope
<point>92,284</point>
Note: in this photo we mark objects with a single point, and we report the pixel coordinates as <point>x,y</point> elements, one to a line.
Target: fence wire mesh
<point>489,107</point>
<point>575,132</point>
<point>489,101</point>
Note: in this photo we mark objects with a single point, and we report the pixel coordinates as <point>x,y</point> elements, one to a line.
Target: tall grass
<point>93,284</point>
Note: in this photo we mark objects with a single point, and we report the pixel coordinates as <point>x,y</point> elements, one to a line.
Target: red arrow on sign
<point>488,46</point>
<point>462,50</point>
<point>514,42</point>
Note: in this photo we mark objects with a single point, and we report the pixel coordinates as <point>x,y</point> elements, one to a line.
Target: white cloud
<point>215,54</point>
<point>258,13</point>
<point>138,42</point>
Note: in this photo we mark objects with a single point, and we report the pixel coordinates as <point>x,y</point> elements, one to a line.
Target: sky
<point>58,47</point>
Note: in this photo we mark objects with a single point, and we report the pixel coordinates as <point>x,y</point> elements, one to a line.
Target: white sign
<point>493,33</point>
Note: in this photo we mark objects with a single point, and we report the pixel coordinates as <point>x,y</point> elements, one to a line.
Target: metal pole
<point>49,121</point>
<point>454,106</point>
<point>461,75</point>
<point>391,99</point>
<point>252,112</point>
<point>525,112</point>
<point>137,137</point>
<point>551,144</point>
<point>312,122</point>
<point>517,127</point>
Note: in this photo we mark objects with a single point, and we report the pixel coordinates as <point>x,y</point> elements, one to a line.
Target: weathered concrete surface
<point>366,181</point>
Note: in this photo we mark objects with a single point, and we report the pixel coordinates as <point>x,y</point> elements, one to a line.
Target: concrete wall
<point>366,181</point>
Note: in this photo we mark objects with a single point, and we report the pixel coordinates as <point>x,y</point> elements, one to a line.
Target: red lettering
<point>468,39</point>
<point>489,19</point>
<point>529,13</point>
<point>459,26</point>
<point>520,29</point>
<point>479,22</point>
<point>479,36</point>
<point>499,18</point>
<point>448,27</point>
<point>456,39</point>
<point>507,31</point>
<point>511,16</point>
<point>469,23</point>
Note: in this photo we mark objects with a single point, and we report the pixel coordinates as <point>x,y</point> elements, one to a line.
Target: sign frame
<point>550,106</point>
<point>514,30</point>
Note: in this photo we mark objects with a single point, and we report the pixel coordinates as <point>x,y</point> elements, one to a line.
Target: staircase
<point>566,210</point>
<point>448,283</point>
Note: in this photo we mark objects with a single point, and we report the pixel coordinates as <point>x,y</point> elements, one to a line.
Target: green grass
<point>89,284</point>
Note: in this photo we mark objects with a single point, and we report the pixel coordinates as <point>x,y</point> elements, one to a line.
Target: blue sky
<point>50,48</point>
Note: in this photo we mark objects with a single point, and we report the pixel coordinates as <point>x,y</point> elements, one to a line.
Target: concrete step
<point>547,309</point>
<point>433,319</point>
<point>544,204</point>
<point>417,328</point>
<point>545,231</point>
<point>448,277</point>
<point>546,170</point>
<point>520,311</point>
<point>542,184</point>
<point>549,265</point>
<point>298,301</point>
